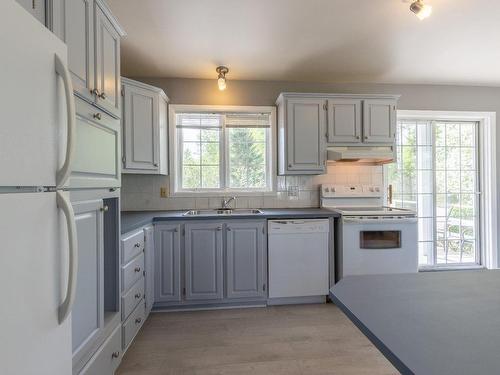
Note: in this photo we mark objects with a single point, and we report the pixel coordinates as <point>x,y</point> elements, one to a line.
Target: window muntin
<point>223,151</point>
<point>437,175</point>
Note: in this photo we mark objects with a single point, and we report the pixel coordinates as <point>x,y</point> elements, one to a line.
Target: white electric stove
<point>371,238</point>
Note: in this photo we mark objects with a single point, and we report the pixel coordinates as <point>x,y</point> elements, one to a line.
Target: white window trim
<point>487,177</point>
<point>174,154</point>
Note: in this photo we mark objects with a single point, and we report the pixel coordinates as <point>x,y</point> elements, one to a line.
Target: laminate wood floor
<point>291,340</point>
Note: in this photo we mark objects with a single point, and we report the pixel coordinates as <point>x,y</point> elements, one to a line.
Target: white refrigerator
<point>37,250</point>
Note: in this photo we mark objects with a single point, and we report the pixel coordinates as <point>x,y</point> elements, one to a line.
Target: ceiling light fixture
<point>421,10</point>
<point>221,80</point>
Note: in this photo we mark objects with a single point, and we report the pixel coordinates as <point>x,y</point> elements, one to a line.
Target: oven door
<point>378,245</point>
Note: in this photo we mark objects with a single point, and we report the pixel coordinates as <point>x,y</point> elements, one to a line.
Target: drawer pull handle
<point>137,244</point>
<point>137,269</point>
<point>103,96</point>
<point>138,320</point>
<point>97,116</point>
<point>115,354</point>
<point>137,296</point>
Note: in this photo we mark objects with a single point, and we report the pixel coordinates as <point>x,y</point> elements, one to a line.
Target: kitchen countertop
<point>131,220</point>
<point>445,323</point>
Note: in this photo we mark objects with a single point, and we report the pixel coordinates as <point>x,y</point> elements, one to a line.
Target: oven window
<point>380,239</point>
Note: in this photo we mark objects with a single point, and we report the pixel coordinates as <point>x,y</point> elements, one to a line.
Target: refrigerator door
<point>33,107</point>
<point>34,259</point>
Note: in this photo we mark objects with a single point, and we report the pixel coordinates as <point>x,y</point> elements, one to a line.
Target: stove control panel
<point>350,191</point>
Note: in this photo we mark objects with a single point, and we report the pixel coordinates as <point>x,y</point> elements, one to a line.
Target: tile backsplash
<point>142,192</point>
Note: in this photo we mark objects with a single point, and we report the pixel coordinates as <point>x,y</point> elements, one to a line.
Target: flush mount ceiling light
<point>421,9</point>
<point>221,80</point>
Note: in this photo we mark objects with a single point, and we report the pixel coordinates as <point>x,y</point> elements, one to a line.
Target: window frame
<point>176,157</point>
<point>487,180</point>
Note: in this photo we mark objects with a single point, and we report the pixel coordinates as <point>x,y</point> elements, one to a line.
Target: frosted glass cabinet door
<point>245,260</point>
<point>379,121</point>
<point>88,310</point>
<point>306,128</point>
<point>203,261</point>
<point>107,63</point>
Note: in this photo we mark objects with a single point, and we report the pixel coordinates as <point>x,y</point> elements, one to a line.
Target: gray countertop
<point>431,322</point>
<point>131,220</point>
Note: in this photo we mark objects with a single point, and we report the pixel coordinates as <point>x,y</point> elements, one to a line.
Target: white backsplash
<point>142,192</point>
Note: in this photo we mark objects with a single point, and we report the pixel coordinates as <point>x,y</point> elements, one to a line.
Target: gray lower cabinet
<point>246,260</point>
<point>149,253</point>
<point>203,261</point>
<point>88,310</point>
<point>107,358</point>
<point>167,263</point>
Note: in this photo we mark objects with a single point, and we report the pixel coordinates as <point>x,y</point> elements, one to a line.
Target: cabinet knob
<point>103,96</point>
<point>219,228</point>
<point>138,320</point>
<point>97,116</point>
<point>95,92</point>
<point>289,166</point>
<point>366,137</point>
<point>137,296</point>
<point>229,229</point>
<point>137,269</point>
<point>357,137</point>
<point>105,209</point>
<point>137,244</point>
<point>115,354</point>
<point>155,164</point>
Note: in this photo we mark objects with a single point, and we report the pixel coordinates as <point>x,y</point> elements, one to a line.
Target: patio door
<point>437,175</point>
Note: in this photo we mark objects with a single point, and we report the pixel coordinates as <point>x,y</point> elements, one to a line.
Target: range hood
<point>361,155</point>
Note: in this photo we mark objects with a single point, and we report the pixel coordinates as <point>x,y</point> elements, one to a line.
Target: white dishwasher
<point>298,259</point>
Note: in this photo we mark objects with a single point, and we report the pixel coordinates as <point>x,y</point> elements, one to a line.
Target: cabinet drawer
<point>132,298</point>
<point>132,271</point>
<point>132,244</point>
<point>133,324</point>
<point>107,358</point>
<point>97,148</point>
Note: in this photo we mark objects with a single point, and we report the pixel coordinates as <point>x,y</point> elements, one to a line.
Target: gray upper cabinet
<point>379,120</point>
<point>107,70</point>
<point>36,8</point>
<point>88,309</point>
<point>245,260</point>
<point>92,35</point>
<point>149,251</point>
<point>144,126</point>
<point>301,135</point>
<point>167,263</point>
<point>203,261</point>
<point>344,120</point>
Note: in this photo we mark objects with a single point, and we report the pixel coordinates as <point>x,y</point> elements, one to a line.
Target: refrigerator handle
<point>64,172</point>
<point>64,204</point>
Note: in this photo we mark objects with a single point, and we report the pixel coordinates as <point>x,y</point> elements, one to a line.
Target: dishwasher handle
<point>296,226</point>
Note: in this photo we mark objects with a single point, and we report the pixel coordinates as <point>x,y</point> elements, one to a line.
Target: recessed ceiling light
<point>421,9</point>
<point>221,80</point>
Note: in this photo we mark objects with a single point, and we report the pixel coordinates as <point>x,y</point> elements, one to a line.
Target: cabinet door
<point>149,267</point>
<point>379,121</point>
<point>78,34</point>
<point>167,263</point>
<point>203,261</point>
<point>306,129</point>
<point>245,260</point>
<point>107,50</point>
<point>88,310</point>
<point>36,8</point>
<point>141,129</point>
<point>344,121</point>
<point>97,149</point>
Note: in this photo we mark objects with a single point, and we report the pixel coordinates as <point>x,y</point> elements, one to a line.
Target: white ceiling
<point>312,40</point>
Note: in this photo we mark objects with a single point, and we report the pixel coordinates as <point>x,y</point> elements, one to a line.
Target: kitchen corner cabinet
<point>301,135</point>
<point>203,261</point>
<point>246,260</point>
<point>167,262</point>
<point>144,127</point>
<point>92,35</point>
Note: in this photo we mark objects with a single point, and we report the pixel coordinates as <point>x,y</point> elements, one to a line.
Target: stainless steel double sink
<point>223,212</point>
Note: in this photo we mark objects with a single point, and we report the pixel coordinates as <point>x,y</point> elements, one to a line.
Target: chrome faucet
<point>225,203</point>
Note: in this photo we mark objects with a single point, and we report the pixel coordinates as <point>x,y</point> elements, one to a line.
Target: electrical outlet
<point>293,191</point>
<point>163,192</point>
